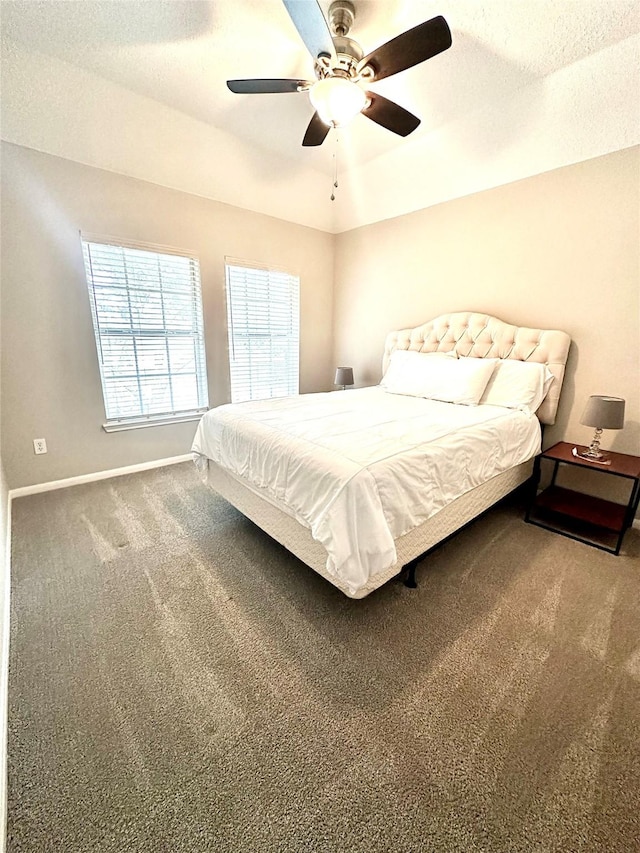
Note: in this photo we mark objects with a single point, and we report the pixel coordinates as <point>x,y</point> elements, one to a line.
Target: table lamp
<point>344,377</point>
<point>601,413</point>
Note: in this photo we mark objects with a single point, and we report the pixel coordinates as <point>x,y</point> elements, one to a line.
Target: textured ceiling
<point>180,53</point>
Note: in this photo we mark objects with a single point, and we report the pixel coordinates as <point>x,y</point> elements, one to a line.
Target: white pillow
<point>406,366</point>
<point>518,385</point>
<point>436,376</point>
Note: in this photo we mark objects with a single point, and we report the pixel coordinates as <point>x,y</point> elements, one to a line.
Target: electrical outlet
<point>39,445</point>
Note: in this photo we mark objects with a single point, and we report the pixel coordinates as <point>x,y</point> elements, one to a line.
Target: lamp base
<point>589,455</point>
<point>593,452</point>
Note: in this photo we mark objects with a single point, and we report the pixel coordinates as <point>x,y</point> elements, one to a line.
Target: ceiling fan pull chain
<point>335,170</point>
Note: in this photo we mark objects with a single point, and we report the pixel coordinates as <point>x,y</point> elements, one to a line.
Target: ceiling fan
<point>340,66</point>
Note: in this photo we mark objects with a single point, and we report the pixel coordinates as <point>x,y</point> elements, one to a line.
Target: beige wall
<point>5,587</point>
<point>50,377</point>
<point>560,250</point>
<point>4,534</point>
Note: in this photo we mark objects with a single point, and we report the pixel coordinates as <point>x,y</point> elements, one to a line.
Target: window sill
<point>137,423</point>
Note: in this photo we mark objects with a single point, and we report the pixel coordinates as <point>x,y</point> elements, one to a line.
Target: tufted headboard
<point>484,336</point>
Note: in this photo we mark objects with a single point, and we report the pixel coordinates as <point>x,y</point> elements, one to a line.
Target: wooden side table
<point>597,522</point>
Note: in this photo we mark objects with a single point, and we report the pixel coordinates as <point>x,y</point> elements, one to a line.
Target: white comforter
<point>360,468</point>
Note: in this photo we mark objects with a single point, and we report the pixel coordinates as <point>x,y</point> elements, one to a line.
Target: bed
<point>359,484</point>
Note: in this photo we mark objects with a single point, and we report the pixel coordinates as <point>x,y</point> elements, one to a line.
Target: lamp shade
<point>344,376</point>
<point>604,412</point>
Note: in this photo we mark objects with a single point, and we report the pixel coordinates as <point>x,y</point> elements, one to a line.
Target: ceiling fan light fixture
<point>337,100</point>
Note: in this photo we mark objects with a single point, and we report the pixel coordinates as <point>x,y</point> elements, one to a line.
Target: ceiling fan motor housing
<point>348,53</point>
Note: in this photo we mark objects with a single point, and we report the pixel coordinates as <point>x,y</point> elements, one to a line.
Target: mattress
<point>363,468</point>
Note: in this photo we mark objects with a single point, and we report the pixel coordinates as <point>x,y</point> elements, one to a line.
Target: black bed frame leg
<point>410,580</point>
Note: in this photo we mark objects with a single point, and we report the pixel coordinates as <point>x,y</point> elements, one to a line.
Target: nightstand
<point>588,519</point>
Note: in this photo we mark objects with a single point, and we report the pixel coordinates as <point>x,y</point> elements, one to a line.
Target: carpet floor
<point>179,682</point>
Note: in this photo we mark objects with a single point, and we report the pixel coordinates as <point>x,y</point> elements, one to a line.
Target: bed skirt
<point>297,538</point>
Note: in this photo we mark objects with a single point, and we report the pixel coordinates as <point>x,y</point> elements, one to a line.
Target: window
<point>147,315</point>
<point>263,312</point>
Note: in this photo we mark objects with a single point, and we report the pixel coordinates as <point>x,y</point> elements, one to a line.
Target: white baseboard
<point>636,523</point>
<point>97,475</point>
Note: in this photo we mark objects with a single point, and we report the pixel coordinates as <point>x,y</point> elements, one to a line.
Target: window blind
<point>147,316</point>
<point>263,312</point>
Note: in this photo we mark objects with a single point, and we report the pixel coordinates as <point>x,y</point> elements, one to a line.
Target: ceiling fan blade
<point>311,25</point>
<point>316,132</point>
<point>390,115</point>
<point>265,87</point>
<point>409,48</point>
